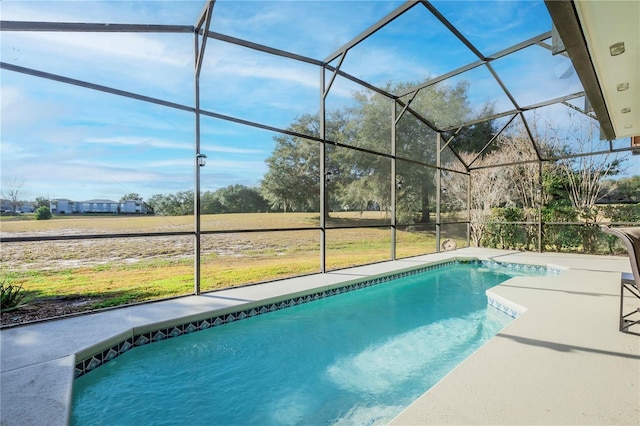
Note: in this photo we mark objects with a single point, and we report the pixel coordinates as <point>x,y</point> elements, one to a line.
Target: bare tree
<point>493,185</point>
<point>12,190</point>
<point>489,188</point>
<point>516,146</point>
<point>584,174</point>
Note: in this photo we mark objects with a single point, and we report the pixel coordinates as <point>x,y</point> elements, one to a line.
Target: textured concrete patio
<point>562,361</point>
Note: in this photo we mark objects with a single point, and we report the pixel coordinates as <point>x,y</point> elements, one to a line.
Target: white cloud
<point>14,152</point>
<point>20,109</point>
<point>222,164</point>
<point>183,12</point>
<point>232,150</point>
<point>137,140</point>
<point>116,46</point>
<point>157,164</point>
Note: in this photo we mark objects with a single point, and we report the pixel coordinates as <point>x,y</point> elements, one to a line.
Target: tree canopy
<point>229,199</point>
<point>360,177</point>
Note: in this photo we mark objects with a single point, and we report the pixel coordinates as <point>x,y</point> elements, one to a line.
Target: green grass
<point>164,267</point>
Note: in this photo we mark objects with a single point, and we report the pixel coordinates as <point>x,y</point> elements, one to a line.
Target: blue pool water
<point>357,358</point>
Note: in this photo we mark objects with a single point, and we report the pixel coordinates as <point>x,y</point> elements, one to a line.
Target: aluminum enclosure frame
<point>202,32</point>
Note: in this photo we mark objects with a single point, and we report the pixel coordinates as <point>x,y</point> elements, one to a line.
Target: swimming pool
<point>359,358</point>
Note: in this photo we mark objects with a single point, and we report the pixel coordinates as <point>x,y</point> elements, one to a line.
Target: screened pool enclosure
<point>274,139</point>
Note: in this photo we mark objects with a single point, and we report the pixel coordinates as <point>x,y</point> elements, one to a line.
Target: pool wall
<point>102,352</point>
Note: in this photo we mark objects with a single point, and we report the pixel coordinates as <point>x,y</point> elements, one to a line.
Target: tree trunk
<point>426,218</point>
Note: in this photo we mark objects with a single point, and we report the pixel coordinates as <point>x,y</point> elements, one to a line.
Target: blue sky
<point>68,142</point>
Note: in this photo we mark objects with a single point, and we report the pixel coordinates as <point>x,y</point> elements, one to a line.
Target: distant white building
<point>66,206</point>
<point>100,206</point>
<point>27,208</point>
<point>132,206</point>
<point>5,205</point>
<point>62,206</point>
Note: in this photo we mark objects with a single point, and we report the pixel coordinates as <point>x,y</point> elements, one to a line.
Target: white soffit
<point>605,23</point>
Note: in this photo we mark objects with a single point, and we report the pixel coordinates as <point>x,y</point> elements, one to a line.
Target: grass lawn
<point>119,271</point>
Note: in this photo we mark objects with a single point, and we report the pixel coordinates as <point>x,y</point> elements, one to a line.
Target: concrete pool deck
<point>562,361</point>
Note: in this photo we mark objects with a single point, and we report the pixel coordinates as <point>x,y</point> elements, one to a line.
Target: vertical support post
<point>469,210</point>
<point>196,174</point>
<point>323,177</point>
<point>394,180</point>
<point>324,173</point>
<point>203,23</point>
<point>438,188</point>
<point>539,195</point>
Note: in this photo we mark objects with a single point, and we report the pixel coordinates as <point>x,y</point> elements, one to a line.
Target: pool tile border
<point>94,361</point>
<point>504,307</point>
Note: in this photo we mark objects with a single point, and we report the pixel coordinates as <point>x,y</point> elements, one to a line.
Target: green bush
<point>507,235</point>
<point>43,213</point>
<point>560,238</point>
<point>619,213</point>
<point>564,228</point>
<point>10,296</point>
<point>622,212</point>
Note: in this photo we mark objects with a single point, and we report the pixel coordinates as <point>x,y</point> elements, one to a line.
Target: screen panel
<point>233,259</point>
<point>357,246</point>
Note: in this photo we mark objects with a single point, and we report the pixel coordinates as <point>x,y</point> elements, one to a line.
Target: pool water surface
<point>357,358</point>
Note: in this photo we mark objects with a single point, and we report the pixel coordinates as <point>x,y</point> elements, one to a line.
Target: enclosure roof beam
<point>205,32</point>
<point>552,159</point>
<point>93,86</point>
<point>521,109</point>
<point>202,16</point>
<point>417,115</point>
<point>372,29</point>
<point>333,76</point>
<point>92,27</point>
<point>580,110</point>
<point>456,153</point>
<point>263,48</point>
<point>589,154</point>
<point>504,88</point>
<point>552,101</point>
<point>361,82</point>
<point>289,55</point>
<point>406,106</point>
<point>440,17</point>
<point>491,141</point>
<point>536,40</point>
<point>440,78</point>
<point>513,163</point>
<point>530,135</point>
<point>450,139</point>
<point>516,47</point>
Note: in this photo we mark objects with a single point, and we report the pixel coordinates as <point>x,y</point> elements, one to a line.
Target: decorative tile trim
<point>506,306</point>
<point>96,360</point>
<point>503,307</point>
<point>522,267</point>
<point>88,364</point>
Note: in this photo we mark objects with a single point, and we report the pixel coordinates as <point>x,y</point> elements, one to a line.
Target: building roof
<point>100,200</point>
<point>602,39</point>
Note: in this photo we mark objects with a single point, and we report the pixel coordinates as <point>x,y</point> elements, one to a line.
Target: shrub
<point>506,235</point>
<point>43,213</point>
<point>557,236</point>
<point>10,296</point>
<point>619,213</point>
<point>622,212</point>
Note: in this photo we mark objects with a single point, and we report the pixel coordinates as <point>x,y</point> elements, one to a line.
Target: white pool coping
<point>37,361</point>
